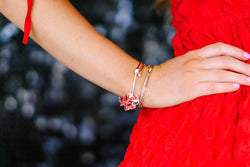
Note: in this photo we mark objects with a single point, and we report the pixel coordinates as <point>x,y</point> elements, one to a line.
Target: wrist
<point>134,97</point>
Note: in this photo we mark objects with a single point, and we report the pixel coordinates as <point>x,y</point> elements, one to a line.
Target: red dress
<point>209,131</point>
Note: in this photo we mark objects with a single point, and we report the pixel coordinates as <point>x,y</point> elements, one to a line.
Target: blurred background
<point>52,117</point>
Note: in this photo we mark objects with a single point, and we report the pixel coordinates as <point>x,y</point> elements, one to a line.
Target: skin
<point>64,33</point>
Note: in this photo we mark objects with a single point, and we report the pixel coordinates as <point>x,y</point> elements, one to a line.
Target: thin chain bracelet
<point>144,88</point>
<point>131,101</point>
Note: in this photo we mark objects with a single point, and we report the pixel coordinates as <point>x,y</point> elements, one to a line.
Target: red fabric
<point>27,24</point>
<point>209,131</point>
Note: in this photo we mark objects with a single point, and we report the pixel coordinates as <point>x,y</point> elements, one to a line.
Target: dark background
<point>52,117</point>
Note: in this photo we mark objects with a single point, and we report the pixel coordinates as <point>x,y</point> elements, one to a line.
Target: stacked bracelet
<point>144,88</point>
<point>131,101</point>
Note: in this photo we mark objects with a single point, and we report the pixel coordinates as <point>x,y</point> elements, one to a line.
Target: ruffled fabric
<point>209,131</point>
<point>192,17</point>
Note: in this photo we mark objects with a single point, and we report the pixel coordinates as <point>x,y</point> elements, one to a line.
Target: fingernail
<point>236,85</point>
<point>248,78</point>
<point>247,55</point>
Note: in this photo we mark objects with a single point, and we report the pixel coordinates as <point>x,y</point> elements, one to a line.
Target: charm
<point>129,101</point>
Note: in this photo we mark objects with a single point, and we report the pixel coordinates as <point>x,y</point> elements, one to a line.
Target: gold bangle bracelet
<point>144,88</point>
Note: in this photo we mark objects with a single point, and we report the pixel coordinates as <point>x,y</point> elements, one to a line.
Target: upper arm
<point>2,2</point>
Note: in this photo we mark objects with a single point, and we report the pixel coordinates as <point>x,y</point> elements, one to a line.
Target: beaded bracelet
<point>131,101</point>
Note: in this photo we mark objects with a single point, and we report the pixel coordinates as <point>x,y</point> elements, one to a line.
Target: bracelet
<point>131,101</point>
<point>144,88</point>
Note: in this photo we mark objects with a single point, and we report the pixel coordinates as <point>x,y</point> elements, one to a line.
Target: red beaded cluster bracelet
<point>132,101</point>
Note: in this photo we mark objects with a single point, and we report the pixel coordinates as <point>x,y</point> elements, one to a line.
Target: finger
<point>207,88</point>
<point>219,48</point>
<point>222,76</point>
<point>226,62</point>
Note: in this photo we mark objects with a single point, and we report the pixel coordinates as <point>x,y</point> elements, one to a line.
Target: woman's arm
<point>64,33</point>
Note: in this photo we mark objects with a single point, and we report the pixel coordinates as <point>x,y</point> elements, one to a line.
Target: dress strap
<point>27,24</point>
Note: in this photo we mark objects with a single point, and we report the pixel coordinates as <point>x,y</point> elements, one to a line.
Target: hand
<point>215,68</point>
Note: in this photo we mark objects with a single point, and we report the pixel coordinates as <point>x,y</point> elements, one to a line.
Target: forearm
<point>64,33</point>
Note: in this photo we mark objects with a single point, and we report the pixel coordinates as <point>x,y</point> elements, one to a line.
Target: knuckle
<point>194,54</point>
<point>191,62</point>
<point>212,88</point>
<point>227,61</point>
<point>187,63</point>
<point>191,52</point>
<point>219,43</point>
<point>220,75</point>
<point>221,46</point>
